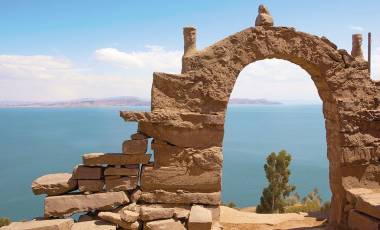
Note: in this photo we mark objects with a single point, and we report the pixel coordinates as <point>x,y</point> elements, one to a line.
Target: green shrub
<point>229,204</point>
<point>4,221</point>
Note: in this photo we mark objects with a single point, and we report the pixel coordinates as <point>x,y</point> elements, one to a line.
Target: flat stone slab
<point>200,218</point>
<point>121,184</point>
<point>91,185</point>
<point>94,225</point>
<point>135,146</point>
<point>116,219</point>
<point>58,224</point>
<point>353,193</point>
<point>164,224</point>
<point>160,196</point>
<point>54,184</point>
<point>129,216</point>
<point>128,170</point>
<point>153,213</point>
<point>115,159</point>
<point>369,204</point>
<point>59,206</point>
<point>82,172</point>
<point>357,220</point>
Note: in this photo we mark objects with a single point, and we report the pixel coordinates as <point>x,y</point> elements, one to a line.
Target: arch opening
<point>274,105</point>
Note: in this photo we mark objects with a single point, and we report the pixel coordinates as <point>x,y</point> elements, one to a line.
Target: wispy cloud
<point>155,57</point>
<point>356,28</point>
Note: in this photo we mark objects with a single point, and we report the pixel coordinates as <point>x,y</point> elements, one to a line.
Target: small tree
<point>277,172</point>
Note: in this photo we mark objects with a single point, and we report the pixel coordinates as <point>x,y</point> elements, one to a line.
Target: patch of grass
<point>4,221</point>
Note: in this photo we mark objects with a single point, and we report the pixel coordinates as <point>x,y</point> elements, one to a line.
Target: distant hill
<point>246,101</point>
<point>116,101</point>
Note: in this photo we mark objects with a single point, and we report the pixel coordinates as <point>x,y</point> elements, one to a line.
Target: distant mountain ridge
<point>116,101</point>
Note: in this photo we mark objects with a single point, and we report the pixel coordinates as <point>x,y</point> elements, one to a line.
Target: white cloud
<point>356,28</point>
<point>277,80</point>
<point>155,58</point>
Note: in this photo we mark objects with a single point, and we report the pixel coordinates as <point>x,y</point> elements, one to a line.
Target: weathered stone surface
<point>54,184</point>
<point>357,220</point>
<point>176,168</point>
<point>353,193</point>
<point>121,184</point>
<point>135,195</point>
<point>180,197</point>
<point>82,172</point>
<point>356,51</point>
<point>369,204</point>
<point>115,159</point>
<point>155,213</point>
<point>200,218</point>
<point>164,224</point>
<point>135,146</point>
<point>264,18</point>
<point>58,224</point>
<point>58,206</point>
<point>127,170</point>
<point>128,216</point>
<point>91,185</point>
<point>93,224</point>
<point>116,219</point>
<point>138,136</point>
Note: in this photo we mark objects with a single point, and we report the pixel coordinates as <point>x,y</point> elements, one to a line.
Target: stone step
<point>369,204</point>
<point>60,206</point>
<point>92,159</point>
<point>200,218</point>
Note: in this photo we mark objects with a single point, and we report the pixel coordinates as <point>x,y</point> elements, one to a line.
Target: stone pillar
<point>190,46</point>
<point>190,40</point>
<point>356,51</point>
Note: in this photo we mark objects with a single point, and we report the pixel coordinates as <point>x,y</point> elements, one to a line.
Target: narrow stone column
<point>190,40</point>
<point>356,51</point>
<point>190,45</point>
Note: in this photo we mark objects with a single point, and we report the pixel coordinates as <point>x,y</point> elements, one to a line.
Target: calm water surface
<point>34,142</point>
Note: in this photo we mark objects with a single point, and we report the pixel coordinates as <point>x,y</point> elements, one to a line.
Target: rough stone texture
<point>164,224</point>
<point>116,219</point>
<point>121,184</point>
<point>135,146</point>
<point>180,197</point>
<point>135,196</point>
<point>82,172</point>
<point>58,206</point>
<point>58,224</point>
<point>91,185</point>
<point>127,170</point>
<point>200,218</point>
<point>190,169</point>
<point>188,109</point>
<point>129,216</point>
<point>357,220</point>
<point>138,136</point>
<point>115,159</point>
<point>356,51</point>
<point>93,224</point>
<point>155,213</point>
<point>263,18</point>
<point>54,184</point>
<point>369,204</point>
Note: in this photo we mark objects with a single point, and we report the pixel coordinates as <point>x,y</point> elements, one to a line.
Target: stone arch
<point>188,109</point>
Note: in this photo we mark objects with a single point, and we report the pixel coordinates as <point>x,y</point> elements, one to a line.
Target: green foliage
<point>4,221</point>
<point>312,202</point>
<point>277,172</point>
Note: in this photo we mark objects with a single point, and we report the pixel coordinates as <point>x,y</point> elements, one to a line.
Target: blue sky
<point>58,50</point>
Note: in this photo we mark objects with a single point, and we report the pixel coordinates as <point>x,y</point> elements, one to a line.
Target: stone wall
<point>187,114</point>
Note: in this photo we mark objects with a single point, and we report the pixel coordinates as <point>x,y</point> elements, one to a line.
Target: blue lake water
<point>34,142</point>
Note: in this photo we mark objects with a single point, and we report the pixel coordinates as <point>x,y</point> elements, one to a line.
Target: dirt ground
<point>247,219</point>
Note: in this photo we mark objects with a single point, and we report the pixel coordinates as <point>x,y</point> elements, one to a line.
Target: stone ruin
<point>181,188</point>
